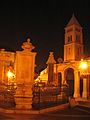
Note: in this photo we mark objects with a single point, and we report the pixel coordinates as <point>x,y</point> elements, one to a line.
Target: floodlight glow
<point>83,65</point>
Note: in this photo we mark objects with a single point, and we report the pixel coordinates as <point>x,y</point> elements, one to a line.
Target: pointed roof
<point>73,21</point>
<point>51,59</point>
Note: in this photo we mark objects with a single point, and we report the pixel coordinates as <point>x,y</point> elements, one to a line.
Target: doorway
<point>69,77</point>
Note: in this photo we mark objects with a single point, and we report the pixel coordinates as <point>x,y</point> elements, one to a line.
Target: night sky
<point>44,22</point>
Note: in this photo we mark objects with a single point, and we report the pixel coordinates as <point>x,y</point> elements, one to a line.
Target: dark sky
<point>44,22</point>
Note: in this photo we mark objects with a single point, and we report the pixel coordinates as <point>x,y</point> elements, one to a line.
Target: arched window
<point>70,39</point>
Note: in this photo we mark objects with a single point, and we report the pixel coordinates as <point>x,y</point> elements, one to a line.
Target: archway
<point>69,77</point>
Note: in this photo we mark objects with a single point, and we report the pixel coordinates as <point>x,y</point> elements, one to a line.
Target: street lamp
<point>83,64</point>
<point>84,72</point>
<point>83,67</point>
<point>11,77</point>
<point>11,81</point>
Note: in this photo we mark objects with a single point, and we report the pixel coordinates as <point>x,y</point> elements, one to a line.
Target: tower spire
<point>73,21</point>
<point>73,47</point>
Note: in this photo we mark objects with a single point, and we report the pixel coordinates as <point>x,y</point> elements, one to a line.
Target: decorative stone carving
<point>27,46</point>
<point>25,64</point>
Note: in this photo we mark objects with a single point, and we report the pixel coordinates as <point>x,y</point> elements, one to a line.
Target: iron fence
<point>46,96</point>
<point>7,93</point>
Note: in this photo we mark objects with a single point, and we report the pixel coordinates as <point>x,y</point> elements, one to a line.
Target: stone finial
<point>51,59</point>
<point>27,46</point>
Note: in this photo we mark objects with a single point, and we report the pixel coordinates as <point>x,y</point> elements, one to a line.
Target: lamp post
<point>11,81</point>
<point>11,77</point>
<point>84,73</point>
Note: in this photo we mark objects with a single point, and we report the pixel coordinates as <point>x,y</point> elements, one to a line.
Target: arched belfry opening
<point>69,77</point>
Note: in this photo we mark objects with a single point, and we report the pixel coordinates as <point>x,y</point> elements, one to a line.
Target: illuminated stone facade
<point>25,64</point>
<point>19,66</point>
<point>73,44</point>
<point>7,60</point>
<point>68,71</point>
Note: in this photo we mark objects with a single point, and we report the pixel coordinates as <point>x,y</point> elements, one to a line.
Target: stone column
<point>88,86</point>
<point>56,74</point>
<point>25,63</point>
<point>85,88</point>
<point>63,78</point>
<point>50,62</point>
<point>76,84</point>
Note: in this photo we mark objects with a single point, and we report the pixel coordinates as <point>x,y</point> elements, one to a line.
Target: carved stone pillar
<point>85,88</point>
<point>25,63</point>
<point>63,78</point>
<point>76,84</point>
<point>50,62</point>
<point>88,86</point>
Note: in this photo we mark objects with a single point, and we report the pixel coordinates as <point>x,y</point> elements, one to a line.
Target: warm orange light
<point>83,65</point>
<point>10,75</point>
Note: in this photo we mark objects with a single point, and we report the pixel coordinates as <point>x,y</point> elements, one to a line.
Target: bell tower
<point>73,46</point>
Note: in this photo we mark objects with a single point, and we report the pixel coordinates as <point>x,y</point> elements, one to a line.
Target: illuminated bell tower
<point>73,46</point>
